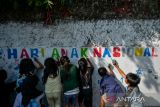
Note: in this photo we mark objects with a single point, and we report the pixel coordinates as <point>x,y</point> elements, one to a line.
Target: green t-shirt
<point>69,78</point>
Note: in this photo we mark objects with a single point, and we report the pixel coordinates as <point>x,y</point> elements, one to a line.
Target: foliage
<point>34,10</point>
<point>38,3</point>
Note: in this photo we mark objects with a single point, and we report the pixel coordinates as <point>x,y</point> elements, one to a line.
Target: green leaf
<point>48,4</point>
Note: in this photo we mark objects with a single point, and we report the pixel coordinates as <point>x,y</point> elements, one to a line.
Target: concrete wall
<point>106,33</point>
<point>81,33</point>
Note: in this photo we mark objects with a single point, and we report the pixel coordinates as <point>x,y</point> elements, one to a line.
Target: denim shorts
<point>71,99</point>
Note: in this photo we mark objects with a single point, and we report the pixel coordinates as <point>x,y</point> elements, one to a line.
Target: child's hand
<point>58,62</point>
<point>35,59</point>
<point>115,63</point>
<point>110,66</point>
<point>108,99</point>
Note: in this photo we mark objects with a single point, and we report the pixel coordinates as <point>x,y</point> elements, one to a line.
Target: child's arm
<point>38,64</point>
<point>90,65</point>
<point>110,67</point>
<point>102,104</point>
<point>119,69</point>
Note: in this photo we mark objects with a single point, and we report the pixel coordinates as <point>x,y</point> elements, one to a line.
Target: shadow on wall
<point>150,74</point>
<point>150,80</point>
<point>150,101</point>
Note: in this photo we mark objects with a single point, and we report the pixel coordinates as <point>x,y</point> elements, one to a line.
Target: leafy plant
<point>48,4</point>
<point>38,3</point>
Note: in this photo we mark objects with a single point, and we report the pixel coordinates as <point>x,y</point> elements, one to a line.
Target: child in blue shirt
<point>109,88</point>
<point>133,91</point>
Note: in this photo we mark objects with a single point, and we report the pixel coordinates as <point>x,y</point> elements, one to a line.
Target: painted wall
<point>106,33</point>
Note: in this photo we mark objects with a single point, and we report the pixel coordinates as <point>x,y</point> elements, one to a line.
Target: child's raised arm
<point>119,69</point>
<point>90,63</point>
<point>110,67</point>
<point>38,64</point>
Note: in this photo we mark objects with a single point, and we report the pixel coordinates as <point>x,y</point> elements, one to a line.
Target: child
<point>86,71</point>
<point>109,88</point>
<point>29,95</point>
<point>70,82</point>
<point>29,68</point>
<point>133,90</point>
<point>52,83</point>
<point>26,68</point>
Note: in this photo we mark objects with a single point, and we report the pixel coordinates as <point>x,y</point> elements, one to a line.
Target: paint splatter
<point>139,71</point>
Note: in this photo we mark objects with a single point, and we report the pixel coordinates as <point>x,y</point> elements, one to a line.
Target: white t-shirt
<point>72,92</point>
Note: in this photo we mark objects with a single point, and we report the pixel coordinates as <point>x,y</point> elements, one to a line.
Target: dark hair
<point>63,59</point>
<point>83,60</point>
<point>51,68</point>
<point>29,90</point>
<point>82,66</point>
<point>3,75</point>
<point>133,79</point>
<point>26,66</point>
<point>102,71</point>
